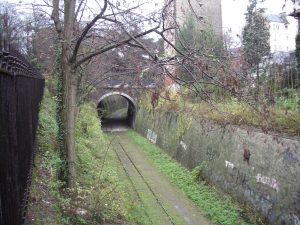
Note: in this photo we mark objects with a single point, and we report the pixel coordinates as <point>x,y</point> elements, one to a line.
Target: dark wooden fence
<point>21,91</point>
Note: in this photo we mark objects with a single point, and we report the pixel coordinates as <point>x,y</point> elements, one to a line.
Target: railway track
<point>163,203</point>
<point>127,162</point>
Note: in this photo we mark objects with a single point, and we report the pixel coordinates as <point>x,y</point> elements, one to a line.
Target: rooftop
<point>281,18</point>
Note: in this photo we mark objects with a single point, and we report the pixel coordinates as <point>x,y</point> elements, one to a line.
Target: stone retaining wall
<point>255,168</point>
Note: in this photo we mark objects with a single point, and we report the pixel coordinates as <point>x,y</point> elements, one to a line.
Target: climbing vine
<point>62,173</point>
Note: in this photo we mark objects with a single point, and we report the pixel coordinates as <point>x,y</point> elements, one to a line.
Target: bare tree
<point>75,34</point>
<point>87,34</point>
<point>11,25</point>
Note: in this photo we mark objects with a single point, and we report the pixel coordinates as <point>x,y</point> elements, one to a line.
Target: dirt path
<point>164,203</point>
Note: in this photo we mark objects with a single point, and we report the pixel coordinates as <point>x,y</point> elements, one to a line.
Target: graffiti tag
<point>151,136</point>
<point>289,156</point>
<point>271,182</point>
<point>229,164</point>
<point>183,145</point>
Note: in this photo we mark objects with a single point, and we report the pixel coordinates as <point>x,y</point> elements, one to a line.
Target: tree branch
<point>86,30</point>
<point>79,7</point>
<point>112,46</point>
<point>55,17</point>
<point>166,40</point>
<point>141,44</point>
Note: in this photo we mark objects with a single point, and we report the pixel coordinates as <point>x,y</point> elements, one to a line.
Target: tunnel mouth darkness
<point>116,111</point>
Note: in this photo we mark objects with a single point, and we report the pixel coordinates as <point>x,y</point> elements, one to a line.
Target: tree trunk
<point>70,94</point>
<point>66,118</point>
<point>70,90</point>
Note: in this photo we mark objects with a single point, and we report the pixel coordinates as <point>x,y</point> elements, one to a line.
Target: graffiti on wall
<point>288,156</point>
<point>151,136</point>
<point>242,180</point>
<point>271,182</point>
<point>229,164</point>
<point>183,145</point>
<point>236,175</point>
<point>240,177</point>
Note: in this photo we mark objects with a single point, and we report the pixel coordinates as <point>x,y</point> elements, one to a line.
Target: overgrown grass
<point>43,207</point>
<point>102,193</point>
<point>220,209</point>
<point>102,189</point>
<point>95,198</point>
<point>48,128</point>
<point>283,117</point>
<point>239,113</point>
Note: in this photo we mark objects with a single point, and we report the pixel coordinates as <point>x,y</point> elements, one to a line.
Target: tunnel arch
<point>117,93</point>
<point>131,112</point>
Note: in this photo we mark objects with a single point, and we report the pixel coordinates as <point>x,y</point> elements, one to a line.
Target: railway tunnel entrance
<point>117,111</point>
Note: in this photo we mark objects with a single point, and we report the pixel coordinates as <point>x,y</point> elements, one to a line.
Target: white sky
<point>234,13</point>
<point>148,5</point>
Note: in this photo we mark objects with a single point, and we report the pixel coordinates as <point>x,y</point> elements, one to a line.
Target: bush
<point>96,196</point>
<point>48,128</point>
<point>288,99</point>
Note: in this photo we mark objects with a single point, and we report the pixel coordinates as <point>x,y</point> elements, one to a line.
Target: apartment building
<point>282,33</point>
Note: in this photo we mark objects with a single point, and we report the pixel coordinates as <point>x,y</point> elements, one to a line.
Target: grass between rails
<point>135,212</point>
<point>102,194</point>
<point>219,209</point>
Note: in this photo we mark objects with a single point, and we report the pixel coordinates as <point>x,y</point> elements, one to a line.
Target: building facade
<point>208,14</point>
<point>282,33</point>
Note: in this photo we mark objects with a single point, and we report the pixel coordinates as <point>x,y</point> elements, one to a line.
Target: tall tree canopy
<point>256,37</point>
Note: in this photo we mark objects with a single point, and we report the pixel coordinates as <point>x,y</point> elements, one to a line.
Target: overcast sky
<point>234,13</point>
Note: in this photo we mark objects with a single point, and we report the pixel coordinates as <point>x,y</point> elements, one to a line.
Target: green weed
<point>102,195</point>
<point>220,209</point>
<point>98,195</point>
<point>283,117</point>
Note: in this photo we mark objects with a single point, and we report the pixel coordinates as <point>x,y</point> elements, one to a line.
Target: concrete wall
<point>209,10</point>
<point>258,169</point>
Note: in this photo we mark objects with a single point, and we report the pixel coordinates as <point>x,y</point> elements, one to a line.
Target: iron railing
<point>21,91</point>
